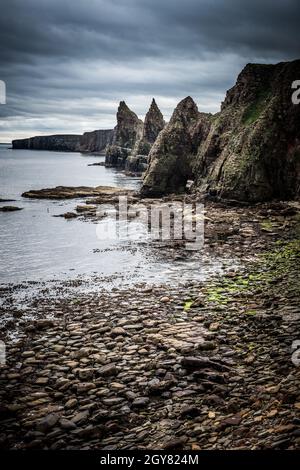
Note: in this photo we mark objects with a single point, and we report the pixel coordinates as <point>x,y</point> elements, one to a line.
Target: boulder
<point>136,164</point>
<point>10,208</point>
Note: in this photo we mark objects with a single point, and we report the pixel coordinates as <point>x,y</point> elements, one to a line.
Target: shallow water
<point>36,246</point>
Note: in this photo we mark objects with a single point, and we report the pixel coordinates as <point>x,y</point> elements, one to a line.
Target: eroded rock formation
<point>173,155</point>
<point>250,151</point>
<point>91,142</point>
<point>137,162</point>
<point>128,130</point>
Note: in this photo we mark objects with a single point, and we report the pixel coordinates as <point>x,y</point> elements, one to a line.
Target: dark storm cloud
<point>68,63</point>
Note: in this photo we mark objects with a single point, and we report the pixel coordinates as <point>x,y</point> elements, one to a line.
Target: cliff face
<point>249,152</point>
<point>128,130</point>
<point>129,127</point>
<point>96,141</point>
<point>253,149</point>
<point>61,143</point>
<point>137,162</point>
<point>173,154</point>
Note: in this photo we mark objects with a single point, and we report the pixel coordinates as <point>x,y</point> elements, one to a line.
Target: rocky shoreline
<point>186,365</point>
<point>200,366</point>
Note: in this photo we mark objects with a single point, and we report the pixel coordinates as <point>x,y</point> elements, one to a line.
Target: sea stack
<point>95,141</point>
<point>137,162</point>
<point>173,154</point>
<point>128,130</point>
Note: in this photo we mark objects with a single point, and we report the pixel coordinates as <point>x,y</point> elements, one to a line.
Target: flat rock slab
<point>97,164</point>
<point>72,192</point>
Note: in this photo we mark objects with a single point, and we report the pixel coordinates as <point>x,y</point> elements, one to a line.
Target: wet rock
<point>231,421</point>
<point>10,208</point>
<point>107,370</point>
<point>67,215</point>
<point>165,300</point>
<point>206,346</point>
<point>70,192</point>
<point>112,401</point>
<point>214,326</point>
<point>67,424</point>
<point>173,444</point>
<point>80,418</point>
<point>140,402</point>
<point>156,386</point>
<point>86,208</point>
<point>43,324</point>
<point>71,403</point>
<point>85,374</point>
<point>118,331</point>
<point>42,380</point>
<point>162,392</point>
<point>190,412</point>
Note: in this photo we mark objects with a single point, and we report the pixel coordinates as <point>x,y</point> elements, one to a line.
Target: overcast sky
<point>67,63</point>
